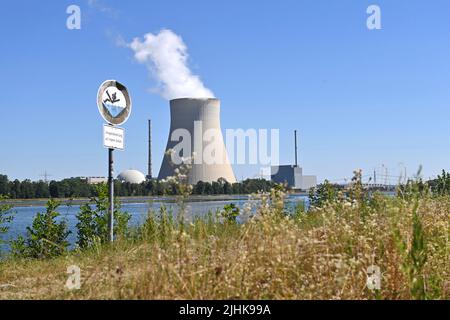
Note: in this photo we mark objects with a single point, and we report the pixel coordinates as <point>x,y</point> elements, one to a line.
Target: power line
<point>45,176</point>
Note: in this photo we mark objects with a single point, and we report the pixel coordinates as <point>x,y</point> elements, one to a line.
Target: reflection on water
<point>24,215</point>
<point>114,109</point>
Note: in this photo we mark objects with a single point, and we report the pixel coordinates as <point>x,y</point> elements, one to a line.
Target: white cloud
<point>165,56</point>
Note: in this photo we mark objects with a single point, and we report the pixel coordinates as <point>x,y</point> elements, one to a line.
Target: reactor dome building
<point>196,117</point>
<point>131,176</point>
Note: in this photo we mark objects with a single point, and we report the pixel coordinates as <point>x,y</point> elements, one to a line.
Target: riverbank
<point>138,208</point>
<point>325,254</point>
<point>168,199</point>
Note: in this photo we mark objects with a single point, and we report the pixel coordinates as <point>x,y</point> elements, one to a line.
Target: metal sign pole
<point>111,196</point>
<point>114,105</point>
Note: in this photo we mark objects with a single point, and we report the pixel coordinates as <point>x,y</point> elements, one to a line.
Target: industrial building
<point>96,180</point>
<point>184,114</point>
<point>131,176</point>
<point>292,175</point>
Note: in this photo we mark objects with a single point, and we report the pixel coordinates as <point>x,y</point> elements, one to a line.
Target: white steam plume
<point>165,55</point>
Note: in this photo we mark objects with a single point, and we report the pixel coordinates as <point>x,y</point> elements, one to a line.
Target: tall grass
<point>322,254</point>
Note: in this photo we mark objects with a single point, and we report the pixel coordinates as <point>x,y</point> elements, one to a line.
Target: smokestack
<point>188,114</point>
<point>296,150</point>
<point>149,176</point>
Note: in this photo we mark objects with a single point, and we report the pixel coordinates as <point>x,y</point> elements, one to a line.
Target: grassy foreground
<point>323,254</point>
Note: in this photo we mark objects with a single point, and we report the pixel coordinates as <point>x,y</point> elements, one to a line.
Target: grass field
<point>322,254</point>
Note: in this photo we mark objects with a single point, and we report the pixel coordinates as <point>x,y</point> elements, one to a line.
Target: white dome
<point>131,176</point>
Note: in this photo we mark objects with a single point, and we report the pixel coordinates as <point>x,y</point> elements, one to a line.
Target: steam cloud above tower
<point>165,56</point>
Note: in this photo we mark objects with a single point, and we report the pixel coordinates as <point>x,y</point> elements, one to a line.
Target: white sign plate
<point>113,137</point>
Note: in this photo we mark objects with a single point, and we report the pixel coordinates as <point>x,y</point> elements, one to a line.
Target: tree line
<point>80,188</point>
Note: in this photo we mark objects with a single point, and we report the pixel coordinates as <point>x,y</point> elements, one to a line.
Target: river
<point>24,215</point>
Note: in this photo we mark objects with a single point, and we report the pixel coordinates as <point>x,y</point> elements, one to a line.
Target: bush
<point>230,213</point>
<point>46,238</point>
<point>6,217</point>
<point>323,193</point>
<point>158,226</point>
<point>93,219</point>
<point>441,185</point>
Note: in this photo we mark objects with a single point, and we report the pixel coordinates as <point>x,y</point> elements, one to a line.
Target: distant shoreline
<point>138,199</point>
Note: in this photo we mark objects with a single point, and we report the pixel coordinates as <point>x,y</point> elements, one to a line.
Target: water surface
<point>24,215</point>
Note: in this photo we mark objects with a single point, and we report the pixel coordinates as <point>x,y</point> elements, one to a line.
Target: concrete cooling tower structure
<point>197,116</point>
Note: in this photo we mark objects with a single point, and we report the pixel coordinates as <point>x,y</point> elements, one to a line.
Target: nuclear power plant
<point>191,118</point>
<point>131,176</point>
<point>197,116</point>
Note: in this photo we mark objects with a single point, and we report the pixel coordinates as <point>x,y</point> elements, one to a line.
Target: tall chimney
<point>149,176</point>
<point>296,150</point>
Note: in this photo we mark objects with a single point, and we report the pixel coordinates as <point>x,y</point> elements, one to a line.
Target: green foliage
<point>299,210</point>
<point>330,247</point>
<point>46,238</point>
<point>414,255</point>
<point>157,227</point>
<point>71,188</point>
<point>93,219</point>
<point>79,188</point>
<point>354,193</point>
<point>323,193</point>
<point>441,185</point>
<point>414,188</point>
<point>4,185</point>
<point>27,189</point>
<point>230,213</point>
<point>418,258</point>
<point>6,217</point>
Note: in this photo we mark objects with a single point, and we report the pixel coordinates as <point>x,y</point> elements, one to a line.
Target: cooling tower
<point>197,117</point>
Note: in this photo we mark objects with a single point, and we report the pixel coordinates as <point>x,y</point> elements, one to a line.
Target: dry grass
<point>320,255</point>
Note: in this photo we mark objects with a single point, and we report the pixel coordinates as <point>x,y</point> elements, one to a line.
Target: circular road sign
<point>114,102</point>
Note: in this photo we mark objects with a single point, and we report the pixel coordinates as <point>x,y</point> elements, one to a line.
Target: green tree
<point>4,185</point>
<point>236,188</point>
<point>53,189</point>
<point>150,188</point>
<point>322,193</point>
<point>199,188</point>
<point>217,188</point>
<point>208,188</point>
<point>227,189</point>
<point>42,190</point>
<point>15,189</point>
<point>27,190</point>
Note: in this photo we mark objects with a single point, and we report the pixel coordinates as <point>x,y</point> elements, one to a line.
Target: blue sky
<point>359,98</point>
